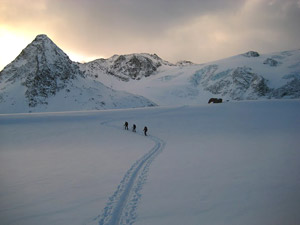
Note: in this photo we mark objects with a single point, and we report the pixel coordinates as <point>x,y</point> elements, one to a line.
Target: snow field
<point>235,163</point>
<point>231,163</point>
<point>54,167</point>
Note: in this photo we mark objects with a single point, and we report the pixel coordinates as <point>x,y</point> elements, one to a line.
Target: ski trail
<point>121,206</point>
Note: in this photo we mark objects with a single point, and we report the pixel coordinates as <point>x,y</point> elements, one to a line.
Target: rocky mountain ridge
<point>248,76</point>
<point>43,78</point>
<point>125,67</point>
<point>43,74</point>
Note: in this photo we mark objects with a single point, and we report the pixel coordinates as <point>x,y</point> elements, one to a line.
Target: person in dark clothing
<point>126,125</point>
<point>134,128</point>
<point>145,131</point>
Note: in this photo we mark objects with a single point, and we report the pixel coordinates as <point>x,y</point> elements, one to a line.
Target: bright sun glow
<point>11,45</point>
<point>81,58</point>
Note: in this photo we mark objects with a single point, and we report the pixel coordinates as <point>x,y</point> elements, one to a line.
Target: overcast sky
<point>196,30</point>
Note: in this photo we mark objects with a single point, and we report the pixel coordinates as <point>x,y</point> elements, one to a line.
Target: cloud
<point>128,24</point>
<point>137,15</point>
<point>197,30</point>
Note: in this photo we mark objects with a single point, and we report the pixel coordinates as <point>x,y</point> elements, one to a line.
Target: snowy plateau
<point>66,159</point>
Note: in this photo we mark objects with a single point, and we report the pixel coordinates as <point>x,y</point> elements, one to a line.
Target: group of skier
<point>134,128</point>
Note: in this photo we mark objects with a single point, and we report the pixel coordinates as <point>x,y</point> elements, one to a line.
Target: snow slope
<point>248,76</point>
<point>233,163</point>
<point>78,94</point>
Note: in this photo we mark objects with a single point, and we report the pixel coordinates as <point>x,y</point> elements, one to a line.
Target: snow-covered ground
<point>231,163</point>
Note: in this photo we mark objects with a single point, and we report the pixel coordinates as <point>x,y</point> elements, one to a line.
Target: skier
<point>145,130</point>
<point>134,128</point>
<point>126,125</point>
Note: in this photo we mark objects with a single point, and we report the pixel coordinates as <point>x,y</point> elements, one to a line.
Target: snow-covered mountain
<point>125,67</point>
<point>253,76</point>
<point>247,76</point>
<point>43,78</point>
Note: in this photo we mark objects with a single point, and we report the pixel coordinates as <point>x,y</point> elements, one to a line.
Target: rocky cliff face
<point>236,83</point>
<point>290,90</point>
<point>125,67</point>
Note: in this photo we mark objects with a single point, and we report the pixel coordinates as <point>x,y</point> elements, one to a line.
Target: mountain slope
<point>43,78</point>
<point>248,76</point>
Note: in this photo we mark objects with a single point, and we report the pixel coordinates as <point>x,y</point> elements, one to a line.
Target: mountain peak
<point>44,43</point>
<point>43,68</point>
<point>41,37</point>
<point>41,52</point>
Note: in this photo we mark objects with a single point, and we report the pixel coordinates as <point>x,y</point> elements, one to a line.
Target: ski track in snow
<point>121,206</point>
